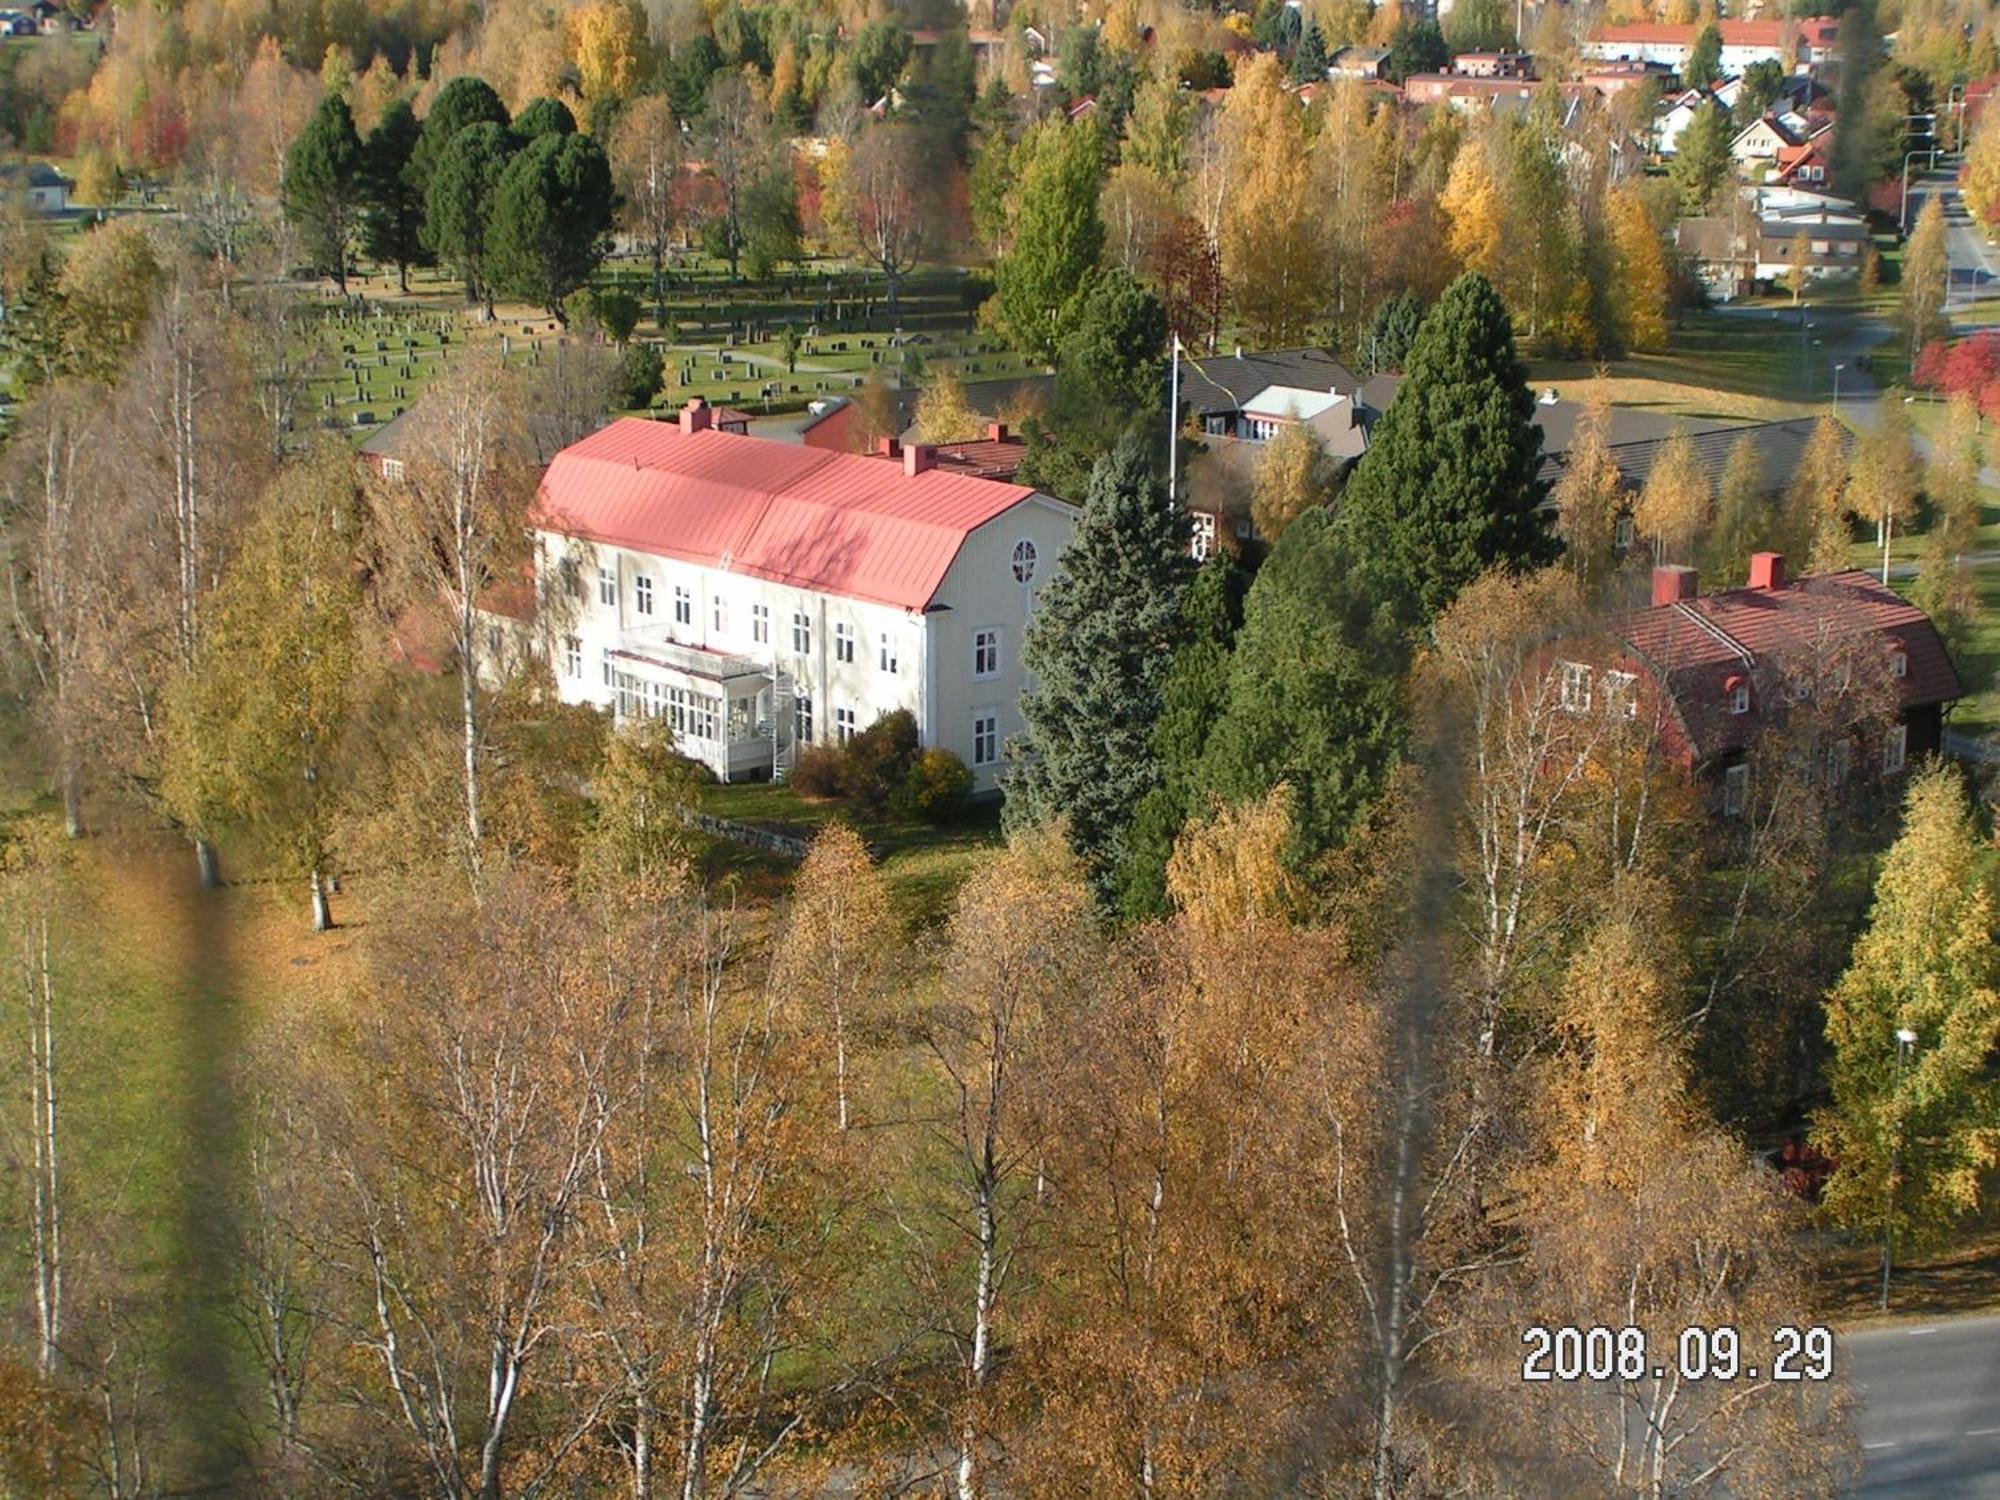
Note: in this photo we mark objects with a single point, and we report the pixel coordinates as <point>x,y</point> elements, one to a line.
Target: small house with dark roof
<point>45,189</point>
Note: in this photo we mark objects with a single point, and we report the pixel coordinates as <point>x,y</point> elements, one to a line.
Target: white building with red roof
<point>760,596</point>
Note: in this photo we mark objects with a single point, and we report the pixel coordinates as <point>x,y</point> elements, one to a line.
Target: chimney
<point>1767,570</point>
<point>1673,583</point>
<point>887,447</point>
<point>695,416</point>
<point>917,458</point>
<point>996,432</point>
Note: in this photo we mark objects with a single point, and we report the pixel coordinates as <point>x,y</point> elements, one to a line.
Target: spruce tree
<point>1393,332</point>
<point>1315,694</point>
<point>392,220</point>
<point>1099,649</point>
<point>1449,487</point>
<point>323,187</point>
<point>1192,699</point>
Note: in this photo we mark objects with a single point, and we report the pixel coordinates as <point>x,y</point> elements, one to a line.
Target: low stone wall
<point>763,840</point>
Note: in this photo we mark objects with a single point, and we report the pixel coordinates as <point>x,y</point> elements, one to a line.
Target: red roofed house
<point>1791,44</point>
<point>763,595</point>
<point>1716,671</point>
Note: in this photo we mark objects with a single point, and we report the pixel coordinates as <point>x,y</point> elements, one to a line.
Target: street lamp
<point>1906,1039</point>
<point>1836,388</point>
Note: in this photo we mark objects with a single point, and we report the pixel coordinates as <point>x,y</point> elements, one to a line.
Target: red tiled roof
<point>839,523</point>
<point>988,458</point>
<point>1695,647</point>
<point>1734,33</point>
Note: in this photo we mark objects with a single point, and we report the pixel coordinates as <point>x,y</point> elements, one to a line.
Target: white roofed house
<point>760,596</point>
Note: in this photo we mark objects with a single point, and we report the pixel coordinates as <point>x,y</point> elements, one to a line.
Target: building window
<point>843,724</point>
<point>1839,760</point>
<point>572,577</point>
<point>1203,541</point>
<point>607,586</point>
<point>1735,790</point>
<point>1624,535</point>
<point>493,640</point>
<point>1739,698</point>
<point>392,470</point>
<point>986,653</point>
<point>1896,749</point>
<point>1899,664</point>
<point>604,662</point>
<point>985,737</point>
<point>760,624</point>
<point>843,641</point>
<point>683,606</point>
<point>572,656</point>
<point>887,657</point>
<point>1621,694</point>
<point>1575,686</point>
<point>719,613</point>
<point>642,594</point>
<point>802,635</point>
<point>1024,562</point>
<point>802,715</point>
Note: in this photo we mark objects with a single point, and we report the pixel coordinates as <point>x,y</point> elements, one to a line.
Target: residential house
<point>1715,672</point>
<point>1610,78</point>
<point>1763,139</point>
<point>1755,242</point>
<point>1810,163</point>
<point>45,190</point>
<point>1358,62</point>
<point>1501,64</point>
<point>1220,476</point>
<point>17,23</point>
<point>1215,389</point>
<point>763,596</point>
<point>1676,114</point>
<point>1790,43</point>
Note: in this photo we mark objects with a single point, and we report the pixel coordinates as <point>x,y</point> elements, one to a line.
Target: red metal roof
<point>1695,647</point>
<point>838,523</point>
<point>1734,33</point>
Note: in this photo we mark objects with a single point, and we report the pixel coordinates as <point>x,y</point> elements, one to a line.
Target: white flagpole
<point>1174,424</point>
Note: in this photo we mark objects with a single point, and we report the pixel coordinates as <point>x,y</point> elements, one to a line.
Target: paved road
<point>1974,271</point>
<point>1930,1409</point>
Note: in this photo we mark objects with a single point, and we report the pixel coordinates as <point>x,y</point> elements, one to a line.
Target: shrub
<point>617,313</point>
<point>640,370</point>
<point>819,771</point>
<point>879,761</point>
<point>938,785</point>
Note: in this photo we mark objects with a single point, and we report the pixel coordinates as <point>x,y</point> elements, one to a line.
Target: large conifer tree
<point>1099,648</point>
<point>1448,487</point>
<point>323,187</point>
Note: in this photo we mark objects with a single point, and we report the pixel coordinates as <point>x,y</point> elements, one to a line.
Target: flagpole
<point>1174,424</point>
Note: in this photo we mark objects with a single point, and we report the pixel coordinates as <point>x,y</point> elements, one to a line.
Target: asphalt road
<point>1929,1408</point>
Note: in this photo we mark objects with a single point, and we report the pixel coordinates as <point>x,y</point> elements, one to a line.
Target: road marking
<point>1982,1431</point>
<point>1917,1333</point>
<point>1871,1447</point>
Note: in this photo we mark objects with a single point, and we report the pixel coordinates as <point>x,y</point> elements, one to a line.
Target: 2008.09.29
<point>1720,1353</point>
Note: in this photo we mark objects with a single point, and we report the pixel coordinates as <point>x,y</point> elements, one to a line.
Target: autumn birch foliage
<point>835,943</point>
<point>1674,503</point>
<point>455,525</point>
<point>1589,495</point>
<point>1913,1143</point>
<point>1883,485</point>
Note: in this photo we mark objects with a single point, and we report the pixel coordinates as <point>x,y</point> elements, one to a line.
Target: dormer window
<point>1899,663</point>
<point>1739,695</point>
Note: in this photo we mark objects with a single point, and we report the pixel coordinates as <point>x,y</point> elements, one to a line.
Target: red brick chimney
<point>918,457</point>
<point>1767,570</point>
<point>887,447</point>
<point>696,416</point>
<point>996,432</point>
<point>1673,583</point>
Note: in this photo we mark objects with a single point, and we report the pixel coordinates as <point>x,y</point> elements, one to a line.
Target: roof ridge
<point>1721,636</point>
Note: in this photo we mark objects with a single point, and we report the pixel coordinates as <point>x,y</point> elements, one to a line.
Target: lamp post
<point>1905,1040</point>
<point>1836,388</point>
<point>1174,422</point>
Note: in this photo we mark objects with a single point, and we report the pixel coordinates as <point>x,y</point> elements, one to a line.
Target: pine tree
<point>1702,163</point>
<point>463,101</point>
<point>323,188</point>
<point>1913,1139</point>
<point>392,219</point>
<point>1393,332</point>
<point>1055,236</point>
<point>1191,701</point>
<point>459,208</point>
<point>551,219</point>
<point>1098,650</point>
<point>1704,63</point>
<point>1449,486</point>
<point>1675,501</point>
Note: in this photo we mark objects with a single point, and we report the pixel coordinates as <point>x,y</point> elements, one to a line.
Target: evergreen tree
<point>459,207</point>
<point>1393,332</point>
<point>1704,64</point>
<point>463,101</point>
<point>1191,701</point>
<point>1914,1138</point>
<point>1449,486</point>
<point>1702,163</point>
<point>540,117</point>
<point>551,224</point>
<point>392,220</point>
<point>1416,47</point>
<point>1098,650</point>
<point>323,188</point>
<point>1315,696</point>
<point>1309,57</point>
<point>771,227</point>
<point>1056,234</point>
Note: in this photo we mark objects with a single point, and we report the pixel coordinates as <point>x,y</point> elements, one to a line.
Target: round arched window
<point>1024,561</point>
